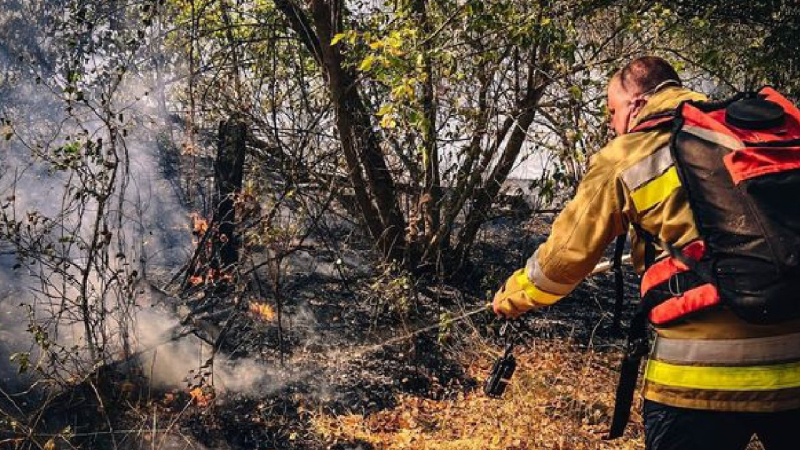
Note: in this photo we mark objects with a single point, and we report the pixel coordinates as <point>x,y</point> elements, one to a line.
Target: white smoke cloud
<point>169,363</point>
<point>152,232</point>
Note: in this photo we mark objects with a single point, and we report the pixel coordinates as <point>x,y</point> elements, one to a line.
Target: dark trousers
<point>671,428</point>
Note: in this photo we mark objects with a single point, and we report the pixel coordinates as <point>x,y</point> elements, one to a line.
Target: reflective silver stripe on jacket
<point>714,137</point>
<point>540,280</point>
<point>729,352</point>
<point>647,169</point>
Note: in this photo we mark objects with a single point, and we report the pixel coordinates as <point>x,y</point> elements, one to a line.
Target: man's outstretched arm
<point>579,236</point>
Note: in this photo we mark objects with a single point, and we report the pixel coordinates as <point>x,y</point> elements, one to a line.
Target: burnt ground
<point>334,361</point>
<point>341,350</point>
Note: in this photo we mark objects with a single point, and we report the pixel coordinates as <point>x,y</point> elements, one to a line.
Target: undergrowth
<point>561,397</point>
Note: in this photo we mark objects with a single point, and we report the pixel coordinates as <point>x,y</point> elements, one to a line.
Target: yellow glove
<point>517,296</point>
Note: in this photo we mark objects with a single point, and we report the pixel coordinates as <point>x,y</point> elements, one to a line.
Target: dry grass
<point>561,398</point>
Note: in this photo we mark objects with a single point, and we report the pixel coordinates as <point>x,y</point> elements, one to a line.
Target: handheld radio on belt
<point>504,367</point>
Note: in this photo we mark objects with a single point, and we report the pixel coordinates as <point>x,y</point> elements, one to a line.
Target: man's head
<point>631,86</point>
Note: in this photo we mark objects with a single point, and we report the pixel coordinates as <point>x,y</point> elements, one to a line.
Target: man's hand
<point>511,301</point>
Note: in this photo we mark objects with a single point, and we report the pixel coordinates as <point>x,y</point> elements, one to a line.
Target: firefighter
<point>712,380</point>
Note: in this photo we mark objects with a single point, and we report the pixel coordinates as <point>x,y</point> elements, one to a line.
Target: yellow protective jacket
<point>710,360</point>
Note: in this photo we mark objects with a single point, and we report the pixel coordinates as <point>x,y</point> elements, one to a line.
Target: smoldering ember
<point>281,224</point>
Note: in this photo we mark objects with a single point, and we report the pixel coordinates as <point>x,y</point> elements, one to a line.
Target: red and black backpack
<point>739,163</point>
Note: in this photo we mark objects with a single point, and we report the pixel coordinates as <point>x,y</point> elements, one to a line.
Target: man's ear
<point>636,106</point>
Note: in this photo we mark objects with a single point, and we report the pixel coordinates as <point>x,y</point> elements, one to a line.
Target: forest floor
<point>374,360</point>
<point>358,373</point>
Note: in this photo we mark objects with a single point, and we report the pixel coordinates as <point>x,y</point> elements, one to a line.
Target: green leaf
<point>415,118</point>
<point>366,64</point>
<point>337,38</point>
<point>388,122</point>
<point>23,359</point>
<point>387,108</point>
<point>72,148</point>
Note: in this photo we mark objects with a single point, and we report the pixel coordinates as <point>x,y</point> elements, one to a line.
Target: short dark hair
<point>646,73</point>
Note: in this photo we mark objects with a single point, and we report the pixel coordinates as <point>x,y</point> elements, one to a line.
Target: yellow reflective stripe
<point>656,190</point>
<point>748,378</point>
<point>537,295</point>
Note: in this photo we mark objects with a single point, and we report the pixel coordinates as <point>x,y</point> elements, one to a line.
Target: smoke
<point>146,218</point>
<point>13,336</point>
<point>150,231</point>
<point>171,363</point>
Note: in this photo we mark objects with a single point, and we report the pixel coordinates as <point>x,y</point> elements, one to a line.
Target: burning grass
<point>262,311</point>
<point>560,398</point>
<point>199,224</point>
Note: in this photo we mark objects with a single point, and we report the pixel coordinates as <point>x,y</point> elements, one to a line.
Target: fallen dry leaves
<point>560,398</point>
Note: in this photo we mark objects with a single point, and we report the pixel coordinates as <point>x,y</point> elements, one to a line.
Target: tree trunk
<point>466,178</point>
<point>431,189</point>
<point>229,169</point>
<point>485,197</point>
<point>367,168</point>
<point>237,78</point>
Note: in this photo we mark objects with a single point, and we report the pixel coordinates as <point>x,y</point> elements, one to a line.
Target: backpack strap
<point>655,121</point>
<point>650,244</point>
<point>619,281</point>
<point>636,348</point>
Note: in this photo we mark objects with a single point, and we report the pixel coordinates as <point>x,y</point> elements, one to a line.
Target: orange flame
<point>263,311</point>
<point>199,224</point>
<point>201,397</point>
<point>211,276</point>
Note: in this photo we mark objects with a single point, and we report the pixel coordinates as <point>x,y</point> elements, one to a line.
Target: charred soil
<point>369,357</point>
<point>356,372</point>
